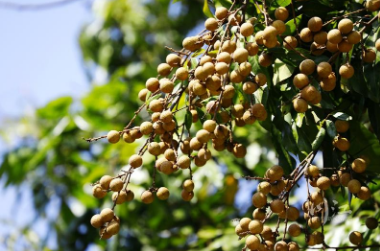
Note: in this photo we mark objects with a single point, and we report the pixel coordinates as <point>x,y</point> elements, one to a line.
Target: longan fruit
<point>96,221</point>
<point>244,223</point>
<point>354,37</point>
<point>355,237</point>
<point>116,185</point>
<point>252,242</point>
<point>166,86</point>
<point>328,83</point>
<point>209,68</point>
<point>128,138</point>
<point>239,151</point>
<point>249,87</point>
<point>181,73</point>
<point>113,228</point>
<point>173,60</point>
<point>290,213</point>
<point>156,105</point>
<point>163,193</point>
<point>203,136</point>
<point>142,94</point>
<point>317,49</point>
<point>105,181</point>
<point>113,136</point>
<point>320,37</point>
<point>240,55</point>
<point>211,24</point>
<point>187,196</point>
<point>259,39</point>
<point>147,197</point>
<point>235,77</point>
<point>316,198</point>
<point>334,36</point>
<point>323,183</point>
<point>342,144</point>
<point>293,246</point>
<point>315,24</point>
<point>107,214</point>
<point>314,222</point>
<point>221,13</point>
<point>277,206</point>
<point>306,35</point>
<point>359,165</point>
<point>372,5</point>
<point>135,161</point>
<point>259,199</point>
<point>264,187</point>
<point>331,47</point>
<point>280,26</point>
<point>245,69</point>
<point>229,46</point>
<point>344,178</point>
<point>261,79</point>
<point>281,246</point>
<point>369,55</point>
<point>98,191</point>
<point>294,230</point>
<point>246,29</point>
<point>183,162</point>
<point>344,46</point>
<point>258,111</point>
<point>267,233</point>
<point>364,193</point>
<point>300,80</point>
<point>164,69</point>
<point>252,48</point>
<point>258,214</point>
<point>269,33</point>
<point>371,223</point>
<point>188,185</point>
<point>309,93</point>
<point>377,44</point>
<point>192,43</point>
<point>346,71</point>
<point>152,84</point>
<point>281,13</point>
<point>239,230</point>
<point>255,226</point>
<point>307,66</point>
<point>146,127</point>
<point>290,43</point>
<point>274,173</point>
<point>324,69</point>
<point>345,26</point>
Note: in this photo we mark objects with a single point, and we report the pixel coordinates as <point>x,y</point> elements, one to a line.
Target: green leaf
<point>331,130</point>
<point>318,139</point>
<point>292,25</point>
<point>342,116</point>
<point>282,3</point>
<point>206,9</point>
<point>188,120</point>
<point>282,71</point>
<point>56,109</point>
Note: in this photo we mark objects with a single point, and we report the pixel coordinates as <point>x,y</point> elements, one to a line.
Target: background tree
<point>127,39</point>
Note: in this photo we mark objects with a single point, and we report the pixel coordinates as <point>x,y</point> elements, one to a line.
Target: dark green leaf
<point>331,130</point>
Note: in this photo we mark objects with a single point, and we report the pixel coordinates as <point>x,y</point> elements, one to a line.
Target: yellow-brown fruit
<point>96,221</point>
<point>260,79</point>
<point>221,13</point>
<point>306,35</point>
<point>334,36</point>
<point>277,206</point>
<point>146,127</point>
<point>290,213</point>
<point>269,33</point>
<point>300,80</point>
<point>240,55</point>
<point>105,182</point>
<point>354,37</point>
<point>274,173</point>
<point>359,165</point>
<point>342,144</point>
<point>259,39</point>
<point>280,26</point>
<point>181,73</point>
<point>239,151</point>
<point>344,46</point>
<point>211,24</point>
<point>113,228</point>
<point>314,222</point>
<point>320,37</point>
<point>252,48</point>
<point>142,94</point>
<point>293,246</point>
<point>244,223</point>
<point>371,223</point>
<point>213,83</point>
<point>324,69</point>
<point>135,161</point>
<point>229,46</point>
<point>173,60</point>
<point>245,69</point>
<point>281,13</point>
<point>192,43</point>
<point>252,242</point>
<point>239,231</point>
<point>221,68</point>
<point>249,87</point>
<point>156,105</point>
<point>235,77</point>
<point>259,199</point>
<point>372,5</point>
<point>255,227</point>
<point>116,185</point>
<point>113,136</point>
<point>188,185</point>
<point>267,233</point>
<point>154,148</point>
<point>354,186</point>
<point>356,237</point>
<point>128,138</point>
<point>224,57</point>
<point>106,215</point>
<point>259,111</point>
<point>204,154</point>
<point>344,178</point>
<point>147,197</point>
<point>364,193</point>
<point>98,191</point>
<point>328,83</point>
<point>281,246</point>
<point>183,162</point>
<point>166,86</point>
<point>315,24</point>
<point>104,235</point>
<point>258,214</point>
<point>169,154</point>
<point>163,193</point>
<point>317,49</point>
<point>195,144</point>
<point>152,84</point>
<point>187,196</point>
<point>246,29</point>
<point>316,198</point>
<point>377,44</point>
<point>203,136</point>
<point>331,47</point>
<point>309,93</point>
<point>237,110</point>
<point>164,69</point>
<point>264,187</point>
<point>265,59</point>
<point>221,131</point>
<point>294,230</point>
<point>369,55</point>
<point>345,26</point>
<point>307,66</point>
<point>290,43</point>
<point>346,71</point>
<point>323,183</point>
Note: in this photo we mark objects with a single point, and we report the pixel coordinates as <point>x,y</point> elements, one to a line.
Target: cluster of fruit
<point>206,79</point>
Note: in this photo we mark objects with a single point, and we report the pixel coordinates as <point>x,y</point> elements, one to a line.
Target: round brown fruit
<point>300,105</point>
<point>96,221</point>
<point>345,26</point>
<point>274,173</point>
<point>342,144</point>
<point>371,223</point>
<point>221,13</point>
<point>163,193</point>
<point>300,80</point>
<point>306,35</point>
<point>113,136</point>
<point>255,226</point>
<point>277,206</point>
<point>355,237</point>
<point>323,183</point>
<point>281,13</point>
<point>334,36</point>
<point>252,242</point>
<point>315,24</point>
<point>346,71</point>
<point>147,197</point>
<point>259,200</point>
<point>294,230</point>
<point>359,165</point>
<point>324,69</point>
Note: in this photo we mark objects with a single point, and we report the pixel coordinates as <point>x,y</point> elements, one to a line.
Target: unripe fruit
<point>274,173</point>
<point>345,26</point>
<point>342,144</point>
<point>211,24</point>
<point>147,197</point>
<point>309,93</point>
<point>306,35</point>
<point>252,48</point>
<point>163,193</point>
<point>113,136</point>
<point>294,230</point>
<point>324,69</point>
<point>246,29</point>
<point>346,71</point>
<point>355,238</point>
<point>300,80</point>
<point>371,223</point>
<point>96,221</point>
<point>300,105</point>
<point>323,183</point>
<point>281,13</point>
<point>258,214</point>
<point>107,214</point>
<point>315,24</point>
<point>334,36</point>
<point>290,43</point>
<point>364,193</point>
<point>320,37</point>
<point>187,196</point>
<point>116,184</point>
<point>359,165</point>
<point>192,43</point>
<point>259,199</point>
<point>252,242</point>
<point>183,162</point>
<point>277,206</point>
<point>369,55</point>
<point>173,60</point>
<point>280,26</point>
<point>221,13</point>
<point>255,227</point>
<point>164,69</point>
<point>135,161</point>
<point>105,181</point>
<point>264,187</point>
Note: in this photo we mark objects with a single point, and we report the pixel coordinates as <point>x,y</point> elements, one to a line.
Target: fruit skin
<point>113,136</point>
<point>345,26</point>
<point>342,144</point>
<point>355,237</point>
<point>188,185</point>
<point>359,165</point>
<point>98,191</point>
<point>147,197</point>
<point>163,193</point>
<point>334,36</point>
<point>259,200</point>
<point>107,214</point>
<point>96,221</point>
<point>274,173</point>
<point>105,181</point>
<point>354,186</point>
<point>135,161</point>
<point>281,13</point>
<point>371,223</point>
<point>306,35</point>
<point>116,184</point>
<point>244,223</point>
<point>294,230</point>
<point>309,93</point>
<point>252,242</point>
<point>300,105</point>
<point>323,183</point>
<point>255,227</point>
<point>221,13</point>
<point>324,69</point>
<point>315,24</point>
<point>300,80</point>
<point>277,206</point>
<point>364,193</point>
